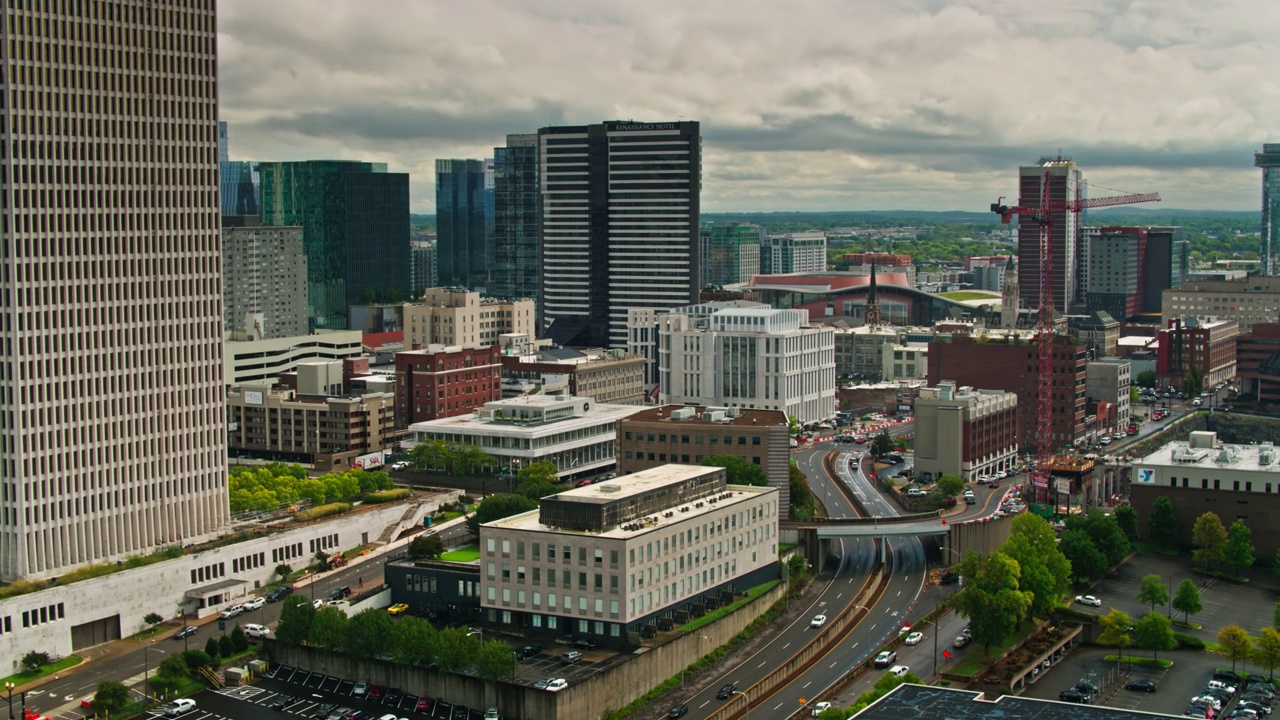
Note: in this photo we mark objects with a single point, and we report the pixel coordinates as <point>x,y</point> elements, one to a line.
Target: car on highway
<point>817,709</point>
<point>254,630</point>
<point>402,465</point>
<point>181,706</point>
<point>557,685</point>
<point>254,603</point>
<point>914,638</point>
<point>885,659</point>
<point>899,671</point>
<point>818,621</point>
<point>398,609</point>
<point>727,691</point>
<point>231,611</point>
<point>1089,600</point>
<point>678,711</point>
<point>1141,686</point>
<point>185,632</point>
<point>961,641</point>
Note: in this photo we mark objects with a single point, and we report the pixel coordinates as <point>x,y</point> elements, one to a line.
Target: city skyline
<point>923,105</point>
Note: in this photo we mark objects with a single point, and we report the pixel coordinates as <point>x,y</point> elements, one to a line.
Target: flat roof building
<point>262,361</point>
<point>457,316</point>
<point>965,432</point>
<point>1254,299</point>
<point>615,561</point>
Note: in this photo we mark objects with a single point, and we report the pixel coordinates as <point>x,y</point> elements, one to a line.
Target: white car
<point>254,630</point>
<point>181,706</point>
<point>388,716</point>
<point>817,709</point>
<point>1089,600</point>
<point>317,603</point>
<point>231,611</point>
<point>400,466</point>
<point>253,603</point>
<point>818,621</point>
<point>914,638</point>
<point>557,685</point>
<point>899,671</point>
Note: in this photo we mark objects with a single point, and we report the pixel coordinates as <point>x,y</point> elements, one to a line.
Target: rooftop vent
<point>610,488</point>
<point>682,414</point>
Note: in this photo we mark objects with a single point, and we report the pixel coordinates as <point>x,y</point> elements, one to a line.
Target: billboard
<point>252,397</point>
<point>1146,475</point>
<point>1040,480</point>
<point>372,461</point>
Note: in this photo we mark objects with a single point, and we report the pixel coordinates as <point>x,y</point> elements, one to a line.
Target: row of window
<point>1217,484</point>
<point>248,562</point>
<point>324,543</point>
<point>208,572</point>
<point>287,552</point>
<point>40,616</point>
<point>697,439</point>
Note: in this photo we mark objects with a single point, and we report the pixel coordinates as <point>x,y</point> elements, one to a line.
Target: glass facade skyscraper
<point>516,217</point>
<point>464,246</point>
<point>730,253</point>
<point>355,231</point>
<point>237,180</point>
<point>1269,161</point>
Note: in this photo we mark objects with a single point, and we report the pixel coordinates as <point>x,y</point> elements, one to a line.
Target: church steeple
<point>873,301</point>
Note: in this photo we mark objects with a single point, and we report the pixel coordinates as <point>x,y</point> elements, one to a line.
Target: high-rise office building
<point>1269,161</point>
<point>515,229</point>
<point>620,221</point>
<point>730,253</point>
<point>238,180</point>
<point>355,229</point>
<point>264,279</point>
<point>113,440</point>
<point>1064,178</point>
<point>794,253</point>
<point>422,267</point>
<point>1130,267</point>
<point>464,247</point>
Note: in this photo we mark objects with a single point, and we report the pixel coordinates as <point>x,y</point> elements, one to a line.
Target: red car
<point>375,693</point>
<point>423,706</point>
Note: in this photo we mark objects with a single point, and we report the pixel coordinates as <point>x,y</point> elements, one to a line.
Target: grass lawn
<point>711,617</point>
<point>355,551</point>
<point>470,553</point>
<point>26,677</point>
<point>445,517</point>
<point>968,668</point>
<point>962,295</point>
<point>149,632</point>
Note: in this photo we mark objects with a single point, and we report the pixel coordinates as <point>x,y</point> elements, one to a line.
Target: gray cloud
<point>820,104</point>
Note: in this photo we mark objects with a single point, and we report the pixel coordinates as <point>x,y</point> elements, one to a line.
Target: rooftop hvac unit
<point>1266,456</point>
<point>710,416</point>
<point>610,488</point>
<point>683,413</point>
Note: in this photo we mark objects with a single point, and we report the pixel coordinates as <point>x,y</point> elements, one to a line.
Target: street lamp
<point>146,668</point>
<point>8,686</point>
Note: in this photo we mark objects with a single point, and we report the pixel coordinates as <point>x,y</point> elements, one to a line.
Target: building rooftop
<point>673,414</point>
<point>1204,451</point>
<point>573,412</point>
<point>919,702</point>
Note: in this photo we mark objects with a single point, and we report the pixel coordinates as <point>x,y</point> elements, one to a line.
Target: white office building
<point>262,361</point>
<point>748,357</point>
<point>619,559</point>
<point>113,440</point>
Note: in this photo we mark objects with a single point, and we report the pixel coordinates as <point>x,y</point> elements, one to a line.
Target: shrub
<point>226,647</point>
<point>213,649</point>
<point>1188,642</point>
<point>196,658</point>
<point>386,496</point>
<point>321,511</point>
<point>34,659</point>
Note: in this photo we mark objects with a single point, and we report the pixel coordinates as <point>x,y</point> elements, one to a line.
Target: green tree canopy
<point>1127,519</point>
<point>1154,632</point>
<point>543,471</point>
<point>882,444</point>
<point>173,667</point>
<point>1210,540</point>
<point>369,633</point>
<point>1104,532</point>
<point>494,661</point>
<point>328,629</point>
<point>802,503</point>
<point>1238,553</point>
<point>274,486</point>
<point>413,641</point>
<point>951,485</point>
<point>1162,524</point>
<point>429,455</point>
<point>296,616</point>
<point>991,597</point>
<point>1115,629</point>
<point>110,697</point>
<point>1153,591</point>
<point>1087,562</point>
<point>737,470</point>
<point>1235,643</point>
<point>496,507</point>
<point>1044,571</point>
<point>426,547</point>
<point>1187,599</point>
<point>455,650</point>
<point>1266,651</point>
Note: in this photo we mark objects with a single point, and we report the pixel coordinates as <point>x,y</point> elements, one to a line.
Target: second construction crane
<point>1042,213</point>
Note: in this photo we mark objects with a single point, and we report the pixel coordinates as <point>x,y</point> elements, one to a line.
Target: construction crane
<point>1043,215</point>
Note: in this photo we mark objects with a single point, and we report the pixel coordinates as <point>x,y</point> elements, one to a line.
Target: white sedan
<point>818,621</point>
<point>1089,600</point>
<point>254,603</point>
<point>914,638</point>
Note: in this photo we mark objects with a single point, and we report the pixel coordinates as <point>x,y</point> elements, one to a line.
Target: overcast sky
<point>804,104</point>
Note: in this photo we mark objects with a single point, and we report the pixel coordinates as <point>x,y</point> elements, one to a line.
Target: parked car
<point>375,693</point>
<point>571,657</point>
<point>279,594</point>
<point>185,632</point>
<point>282,701</point>
<point>423,705</point>
<point>253,603</point>
<point>528,651</point>
<point>181,706</point>
<point>541,684</point>
<point>231,611</point>
<point>398,609</point>
<point>491,714</point>
<point>899,671</point>
<point>885,659</point>
<point>1089,600</point>
<point>1072,695</point>
<point>1086,687</point>
<point>402,465</point>
<point>1141,686</point>
<point>914,638</point>
<point>255,630</point>
<point>360,690</point>
<point>727,691</point>
<point>818,621</point>
<point>818,708</point>
<point>557,685</point>
<point>392,697</point>
<point>583,644</point>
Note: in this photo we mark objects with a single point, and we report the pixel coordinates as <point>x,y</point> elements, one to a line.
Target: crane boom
<point>1006,212</point>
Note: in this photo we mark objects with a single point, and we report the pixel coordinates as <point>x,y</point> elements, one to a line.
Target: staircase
<point>389,532</point>
<point>213,678</point>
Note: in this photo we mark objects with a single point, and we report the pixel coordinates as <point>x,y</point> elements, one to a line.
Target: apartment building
<point>964,431</point>
<point>457,316</point>
<point>442,381</point>
<point>1254,299</point>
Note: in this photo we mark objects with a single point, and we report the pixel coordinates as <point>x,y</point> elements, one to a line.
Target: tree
<point>213,649</point>
<point>802,503</point>
<point>1238,553</point>
<point>1235,643</point>
<point>152,619</point>
<point>1155,633</point>
<point>1105,534</point>
<point>496,507</point>
<point>536,489</point>
<point>793,424</point>
<point>543,471</point>
<point>226,647</point>
<point>1115,630</point>
<point>239,643</point>
<point>737,470</point>
<point>466,459</point>
<point>110,697</point>
<point>413,641</point>
<point>369,633</point>
<point>426,547</point>
<point>296,616</point>
<point>991,598</point>
<point>1086,561</point>
<point>1127,519</point>
<point>1266,650</point>
<point>196,658</point>
<point>1210,539</point>
<point>951,485</point>
<point>1187,600</point>
<point>1153,591</point>
<point>322,560</point>
<point>173,667</point>
<point>429,455</point>
<point>1162,524</point>
<point>455,650</point>
<point>494,661</point>
<point>33,660</point>
<point>882,444</point>
<point>1192,381</point>
<point>1044,570</point>
<point>328,629</point>
<point>283,570</point>
<point>1146,378</point>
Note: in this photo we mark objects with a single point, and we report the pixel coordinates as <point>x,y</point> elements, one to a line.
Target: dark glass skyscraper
<point>515,234</point>
<point>620,225</point>
<point>237,180</point>
<point>464,248</point>
<point>355,231</point>
<point>1269,161</point>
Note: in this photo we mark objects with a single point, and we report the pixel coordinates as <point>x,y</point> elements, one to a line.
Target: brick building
<point>445,381</point>
<point>1258,363</point>
<point>878,259</point>
<point>612,377</point>
<point>287,426</point>
<point>1207,346</point>
<point>1010,365</point>
<point>965,432</point>
<point>684,434</point>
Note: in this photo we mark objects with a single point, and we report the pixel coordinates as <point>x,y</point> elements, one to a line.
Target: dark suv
<point>727,691</point>
<point>340,593</point>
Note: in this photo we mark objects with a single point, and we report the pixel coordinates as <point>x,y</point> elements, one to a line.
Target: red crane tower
<point>1043,215</point>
